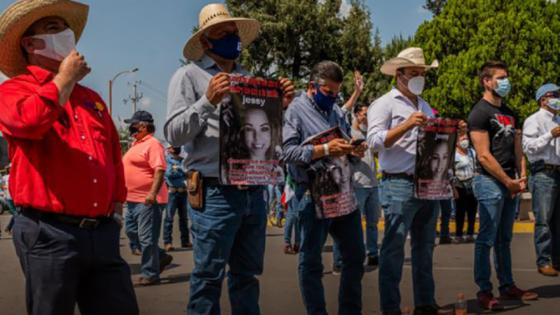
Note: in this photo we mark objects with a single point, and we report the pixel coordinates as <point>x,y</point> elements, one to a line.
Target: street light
<point>111,87</point>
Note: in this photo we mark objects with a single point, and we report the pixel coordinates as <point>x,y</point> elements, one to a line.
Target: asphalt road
<point>279,289</point>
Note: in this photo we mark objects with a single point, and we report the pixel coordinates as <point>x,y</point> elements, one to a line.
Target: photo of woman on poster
<point>434,157</point>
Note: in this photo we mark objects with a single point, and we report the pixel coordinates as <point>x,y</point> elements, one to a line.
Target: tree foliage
<point>524,34</point>
<point>297,34</point>
<point>435,6</point>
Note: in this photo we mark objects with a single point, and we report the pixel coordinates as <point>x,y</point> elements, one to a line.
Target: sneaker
<point>372,263</point>
<point>487,301</point>
<point>548,270</point>
<point>515,293</point>
<point>168,247</point>
<point>445,240</point>
<point>458,240</point>
<point>144,282</point>
<point>336,270</point>
<point>164,261</point>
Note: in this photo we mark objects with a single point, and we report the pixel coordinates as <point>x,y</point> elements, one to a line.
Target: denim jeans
<point>347,232</point>
<point>368,202</point>
<point>497,215</point>
<point>229,230</point>
<point>131,228</point>
<point>292,224</point>
<point>274,195</point>
<point>403,213</point>
<point>148,220</point>
<point>545,187</point>
<point>65,265</point>
<point>446,207</point>
<point>177,202</point>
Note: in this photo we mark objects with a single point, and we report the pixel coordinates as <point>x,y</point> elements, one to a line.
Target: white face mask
<point>464,144</point>
<point>57,46</point>
<point>416,85</point>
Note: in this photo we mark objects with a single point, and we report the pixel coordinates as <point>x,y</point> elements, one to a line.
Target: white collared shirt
<point>385,113</point>
<point>538,143</point>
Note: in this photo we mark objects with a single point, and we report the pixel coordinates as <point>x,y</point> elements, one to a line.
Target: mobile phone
<point>357,142</point>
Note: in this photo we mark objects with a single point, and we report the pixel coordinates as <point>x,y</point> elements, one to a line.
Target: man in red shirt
<point>67,177</point>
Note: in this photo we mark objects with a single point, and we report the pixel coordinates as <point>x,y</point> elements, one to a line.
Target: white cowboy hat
<point>20,15</point>
<point>213,14</point>
<point>410,57</point>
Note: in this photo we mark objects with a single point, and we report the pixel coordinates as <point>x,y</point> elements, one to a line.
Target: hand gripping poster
<point>435,155</point>
<point>251,132</point>
<point>331,179</point>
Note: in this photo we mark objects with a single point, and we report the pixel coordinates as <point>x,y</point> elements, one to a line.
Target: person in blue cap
<point>542,147</point>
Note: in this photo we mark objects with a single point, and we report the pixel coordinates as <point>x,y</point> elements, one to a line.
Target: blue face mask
<point>227,47</point>
<point>503,88</point>
<point>325,102</point>
<point>554,103</point>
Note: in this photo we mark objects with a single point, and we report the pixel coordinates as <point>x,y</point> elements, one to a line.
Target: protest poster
<point>331,179</point>
<point>435,155</point>
<point>251,132</point>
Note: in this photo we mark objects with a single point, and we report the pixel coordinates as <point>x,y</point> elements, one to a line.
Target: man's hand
<point>118,208</point>
<point>289,91</point>
<point>217,88</point>
<point>555,132</point>
<point>73,68</point>
<point>360,150</point>
<point>358,82</point>
<point>517,185</point>
<point>463,127</point>
<point>151,199</point>
<point>339,147</point>
<point>415,120</point>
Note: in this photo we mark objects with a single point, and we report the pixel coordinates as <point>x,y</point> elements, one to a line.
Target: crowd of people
<point>68,222</point>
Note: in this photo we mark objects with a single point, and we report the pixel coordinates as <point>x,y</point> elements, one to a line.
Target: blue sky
<point>148,34</point>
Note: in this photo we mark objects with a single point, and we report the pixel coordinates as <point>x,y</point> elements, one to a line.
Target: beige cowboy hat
<point>214,14</point>
<point>410,57</point>
<point>20,15</point>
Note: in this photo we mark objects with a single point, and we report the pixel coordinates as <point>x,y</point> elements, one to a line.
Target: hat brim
<point>392,65</point>
<point>18,17</point>
<point>248,32</point>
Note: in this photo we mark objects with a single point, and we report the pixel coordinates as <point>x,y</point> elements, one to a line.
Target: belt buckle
<point>89,224</point>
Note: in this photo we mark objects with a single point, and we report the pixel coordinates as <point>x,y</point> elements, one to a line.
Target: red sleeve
<point>26,112</point>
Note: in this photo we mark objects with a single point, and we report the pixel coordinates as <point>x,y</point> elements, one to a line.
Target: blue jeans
<point>497,215</point>
<point>177,202</point>
<point>545,187</point>
<point>65,265</point>
<point>347,232</point>
<point>292,224</point>
<point>274,193</point>
<point>229,230</point>
<point>446,207</point>
<point>404,213</point>
<point>368,202</point>
<point>148,220</point>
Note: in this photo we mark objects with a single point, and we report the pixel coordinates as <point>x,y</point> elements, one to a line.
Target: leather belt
<point>81,222</point>
<point>406,176</point>
<point>177,189</point>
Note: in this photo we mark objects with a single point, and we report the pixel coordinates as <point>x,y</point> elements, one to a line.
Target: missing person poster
<point>434,159</point>
<point>251,132</point>
<point>331,180</point>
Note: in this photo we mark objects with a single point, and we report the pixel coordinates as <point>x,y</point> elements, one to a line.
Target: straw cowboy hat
<point>214,14</point>
<point>410,57</point>
<point>20,15</point>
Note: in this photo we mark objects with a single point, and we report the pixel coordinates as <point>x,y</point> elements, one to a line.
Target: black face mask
<point>132,130</point>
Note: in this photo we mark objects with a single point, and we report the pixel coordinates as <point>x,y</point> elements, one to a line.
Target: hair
<point>327,70</point>
<point>431,142</point>
<point>358,108</point>
<point>489,68</point>
<point>150,127</point>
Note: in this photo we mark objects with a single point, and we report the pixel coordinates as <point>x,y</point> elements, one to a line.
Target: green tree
<point>436,6</point>
<point>524,34</point>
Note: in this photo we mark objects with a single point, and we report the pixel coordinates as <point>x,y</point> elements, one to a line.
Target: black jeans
<point>465,204</point>
<point>64,265</point>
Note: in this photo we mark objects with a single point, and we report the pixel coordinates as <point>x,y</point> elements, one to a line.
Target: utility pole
<point>135,98</point>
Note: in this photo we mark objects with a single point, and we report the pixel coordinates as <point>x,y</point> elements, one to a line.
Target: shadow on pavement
<point>548,291</point>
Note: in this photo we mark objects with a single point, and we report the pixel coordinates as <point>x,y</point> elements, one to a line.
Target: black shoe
<point>372,263</point>
<point>445,240</point>
<point>393,313</point>
<point>431,310</point>
<point>164,261</point>
<point>187,245</point>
